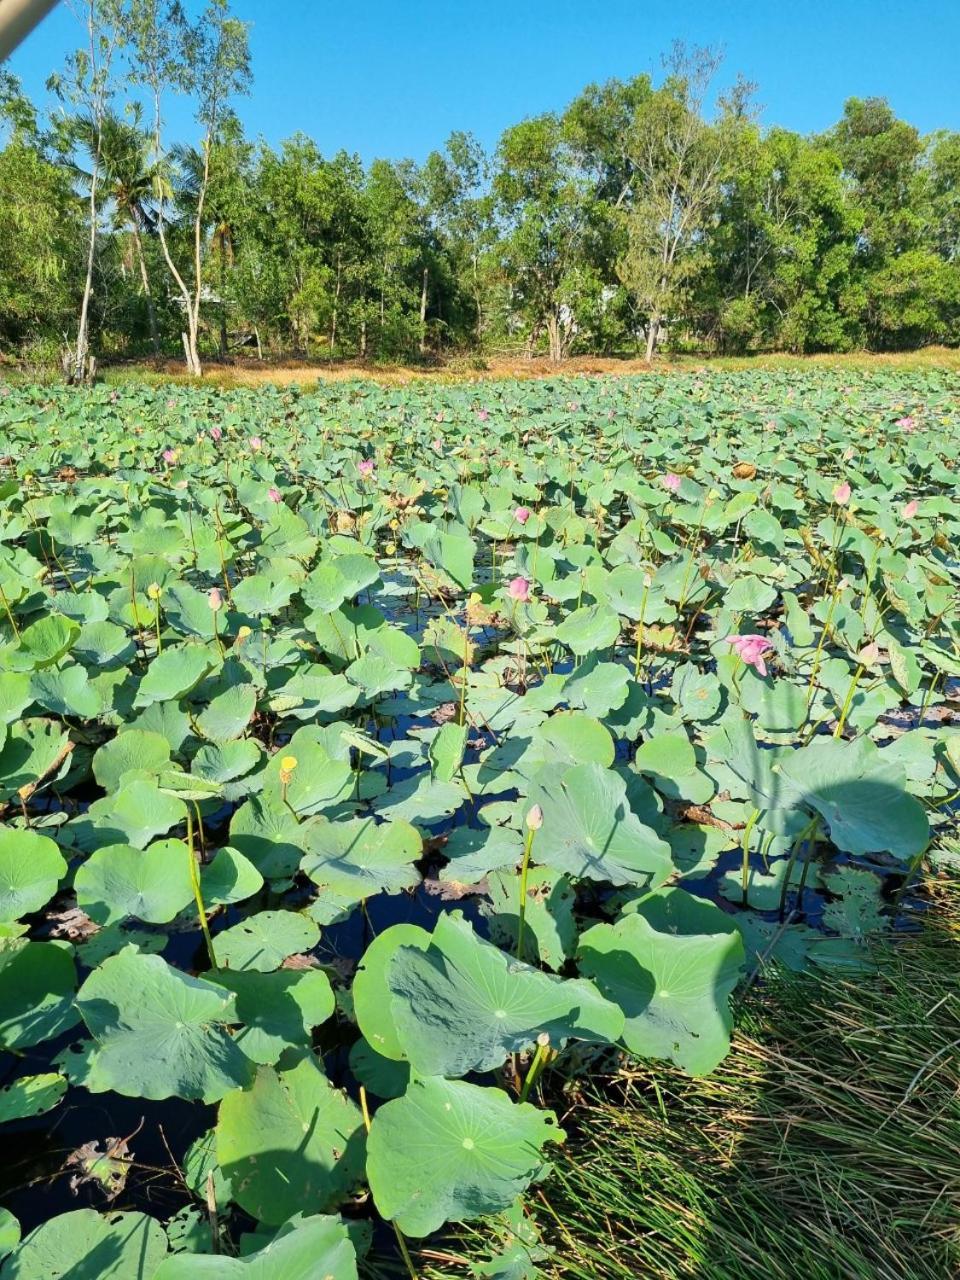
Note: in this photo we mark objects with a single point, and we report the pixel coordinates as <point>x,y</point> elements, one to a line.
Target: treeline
<point>645,213</point>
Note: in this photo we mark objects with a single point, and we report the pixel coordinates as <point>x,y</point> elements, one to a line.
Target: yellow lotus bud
<point>390,548</point>
<point>153,591</point>
<point>242,633</point>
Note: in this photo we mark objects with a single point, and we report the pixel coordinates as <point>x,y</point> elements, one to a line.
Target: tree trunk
<point>423,311</point>
<point>82,352</point>
<point>363,338</point>
<point>555,338</point>
<point>145,281</point>
<point>336,304</point>
<point>653,335</point>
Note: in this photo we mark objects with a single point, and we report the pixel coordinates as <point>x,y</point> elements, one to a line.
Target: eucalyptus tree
<point>85,89</point>
<point>677,161</point>
<point>210,62</point>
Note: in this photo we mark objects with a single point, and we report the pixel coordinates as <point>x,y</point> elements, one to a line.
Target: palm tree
<point>129,180</point>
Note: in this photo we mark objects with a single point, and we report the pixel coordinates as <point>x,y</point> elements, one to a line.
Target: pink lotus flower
<point>907,423</point>
<point>170,456</point>
<point>366,466</point>
<point>519,590</point>
<point>910,510</point>
<point>483,414</point>
<point>274,494</point>
<point>256,444</point>
<point>752,649</point>
<point>439,416</point>
<point>216,433</point>
<point>522,515</point>
<point>171,404</point>
<point>841,493</point>
<point>215,599</point>
<point>671,481</point>
<point>436,446</point>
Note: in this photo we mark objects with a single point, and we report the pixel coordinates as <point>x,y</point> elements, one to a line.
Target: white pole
<point>17,20</point>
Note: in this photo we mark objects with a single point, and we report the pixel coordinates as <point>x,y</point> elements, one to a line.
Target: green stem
<point>9,612</point>
<point>809,831</point>
<point>535,1070</point>
<point>847,702</point>
<point>198,894</point>
<point>401,1239</point>
<point>745,867</point>
<point>524,875</point>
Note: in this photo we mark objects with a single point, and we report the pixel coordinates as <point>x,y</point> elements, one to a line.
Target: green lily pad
<point>290,1140</point>
<point>31,867</point>
<point>263,941</point>
<point>84,1245</point>
<point>448,1151</point>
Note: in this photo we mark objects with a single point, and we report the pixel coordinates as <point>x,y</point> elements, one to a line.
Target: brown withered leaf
<point>72,923</point>
<point>453,890</point>
<point>300,961</point>
<point>108,1167</point>
<point>745,470</point>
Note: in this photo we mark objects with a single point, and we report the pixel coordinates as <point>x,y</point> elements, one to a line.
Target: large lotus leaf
<point>9,1232</point>
<point>278,1010</point>
<point>15,695</point>
<point>317,1248</point>
<point>446,751</point>
<point>263,593</point>
<point>473,852</point>
<point>31,750</point>
<point>448,1151</point>
<point>336,581</point>
<point>267,833</point>
<point>228,714</point>
<point>84,1245</point>
<point>452,554</point>
<point>37,984</point>
<point>588,629</point>
<point>463,1005</point>
<point>421,799</point>
<point>320,781</point>
<point>31,1096</point>
<point>134,815</point>
<point>31,867</point>
<point>350,861</point>
<point>861,795</point>
<point>160,1033</point>
<point>291,1140</point>
<point>43,643</point>
<point>133,750</point>
<point>173,673</point>
<point>671,965</point>
<point>549,927</point>
<point>263,941</point>
<point>223,762</point>
<point>118,882</point>
<point>67,692</point>
<point>315,692</point>
<point>371,994</point>
<point>696,693</point>
<point>567,738</point>
<point>590,832</point>
<point>229,878</point>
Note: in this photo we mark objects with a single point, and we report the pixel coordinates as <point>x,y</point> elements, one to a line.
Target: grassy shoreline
<point>827,1145</point>
<point>248,372</point>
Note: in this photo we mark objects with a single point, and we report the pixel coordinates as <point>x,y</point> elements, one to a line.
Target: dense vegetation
<point>367,753</point>
<point>643,212</point>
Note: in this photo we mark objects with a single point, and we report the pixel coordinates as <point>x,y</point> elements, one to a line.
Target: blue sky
<point>394,77</point>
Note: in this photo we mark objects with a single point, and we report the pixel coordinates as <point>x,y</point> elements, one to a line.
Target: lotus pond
<point>372,760</point>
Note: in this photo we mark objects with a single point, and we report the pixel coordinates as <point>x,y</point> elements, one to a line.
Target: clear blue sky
<point>394,77</point>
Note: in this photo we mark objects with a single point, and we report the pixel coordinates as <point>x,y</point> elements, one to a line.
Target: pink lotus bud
<point>534,818</point>
<point>519,589</point>
<point>216,433</point>
<point>256,444</point>
<point>483,414</point>
<point>521,515</point>
<point>215,599</point>
<point>366,466</point>
<point>671,481</point>
<point>274,494</point>
<point>170,456</point>
<point>910,510</point>
<point>841,494</point>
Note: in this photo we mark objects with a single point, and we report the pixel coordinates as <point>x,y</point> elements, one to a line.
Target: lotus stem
<point>198,894</point>
<point>809,831</point>
<point>847,702</point>
<point>534,821</point>
<point>535,1070</point>
<point>9,612</point>
<point>745,867</point>
<point>401,1239</point>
